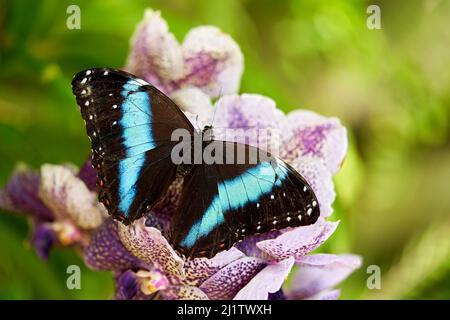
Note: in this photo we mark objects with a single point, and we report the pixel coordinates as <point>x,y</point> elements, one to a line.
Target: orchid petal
<point>229,280</point>
<point>248,118</point>
<point>182,293</point>
<point>310,134</point>
<point>69,198</point>
<point>213,61</point>
<point>151,247</point>
<point>320,272</point>
<point>200,269</point>
<point>21,194</point>
<point>268,280</point>
<point>155,53</point>
<point>106,252</point>
<point>194,101</point>
<point>44,239</point>
<point>298,241</point>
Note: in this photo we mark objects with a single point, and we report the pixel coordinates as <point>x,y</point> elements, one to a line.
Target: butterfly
<point>130,125</point>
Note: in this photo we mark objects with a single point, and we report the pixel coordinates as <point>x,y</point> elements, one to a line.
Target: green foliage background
<point>390,87</point>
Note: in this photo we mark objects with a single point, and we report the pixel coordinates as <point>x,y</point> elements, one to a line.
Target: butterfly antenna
<point>215,107</point>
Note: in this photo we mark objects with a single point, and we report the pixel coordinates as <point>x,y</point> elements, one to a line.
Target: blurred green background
<point>390,87</point>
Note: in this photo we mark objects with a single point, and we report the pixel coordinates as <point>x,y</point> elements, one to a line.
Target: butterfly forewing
<point>129,123</point>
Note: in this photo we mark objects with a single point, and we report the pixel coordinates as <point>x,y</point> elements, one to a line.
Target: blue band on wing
<point>137,139</point>
<point>234,194</point>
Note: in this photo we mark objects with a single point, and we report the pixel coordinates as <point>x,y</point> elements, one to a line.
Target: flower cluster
<point>62,202</point>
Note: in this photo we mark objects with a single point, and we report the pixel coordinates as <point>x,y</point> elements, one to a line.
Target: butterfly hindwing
<point>129,123</point>
<point>236,200</point>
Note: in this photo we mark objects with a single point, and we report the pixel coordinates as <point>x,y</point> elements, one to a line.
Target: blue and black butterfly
<point>130,125</point>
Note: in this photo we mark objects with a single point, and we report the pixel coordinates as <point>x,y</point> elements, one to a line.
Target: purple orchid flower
<point>207,65</point>
<point>207,59</point>
<point>63,210</point>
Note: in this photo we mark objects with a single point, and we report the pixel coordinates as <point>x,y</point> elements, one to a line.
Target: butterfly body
<point>131,123</point>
